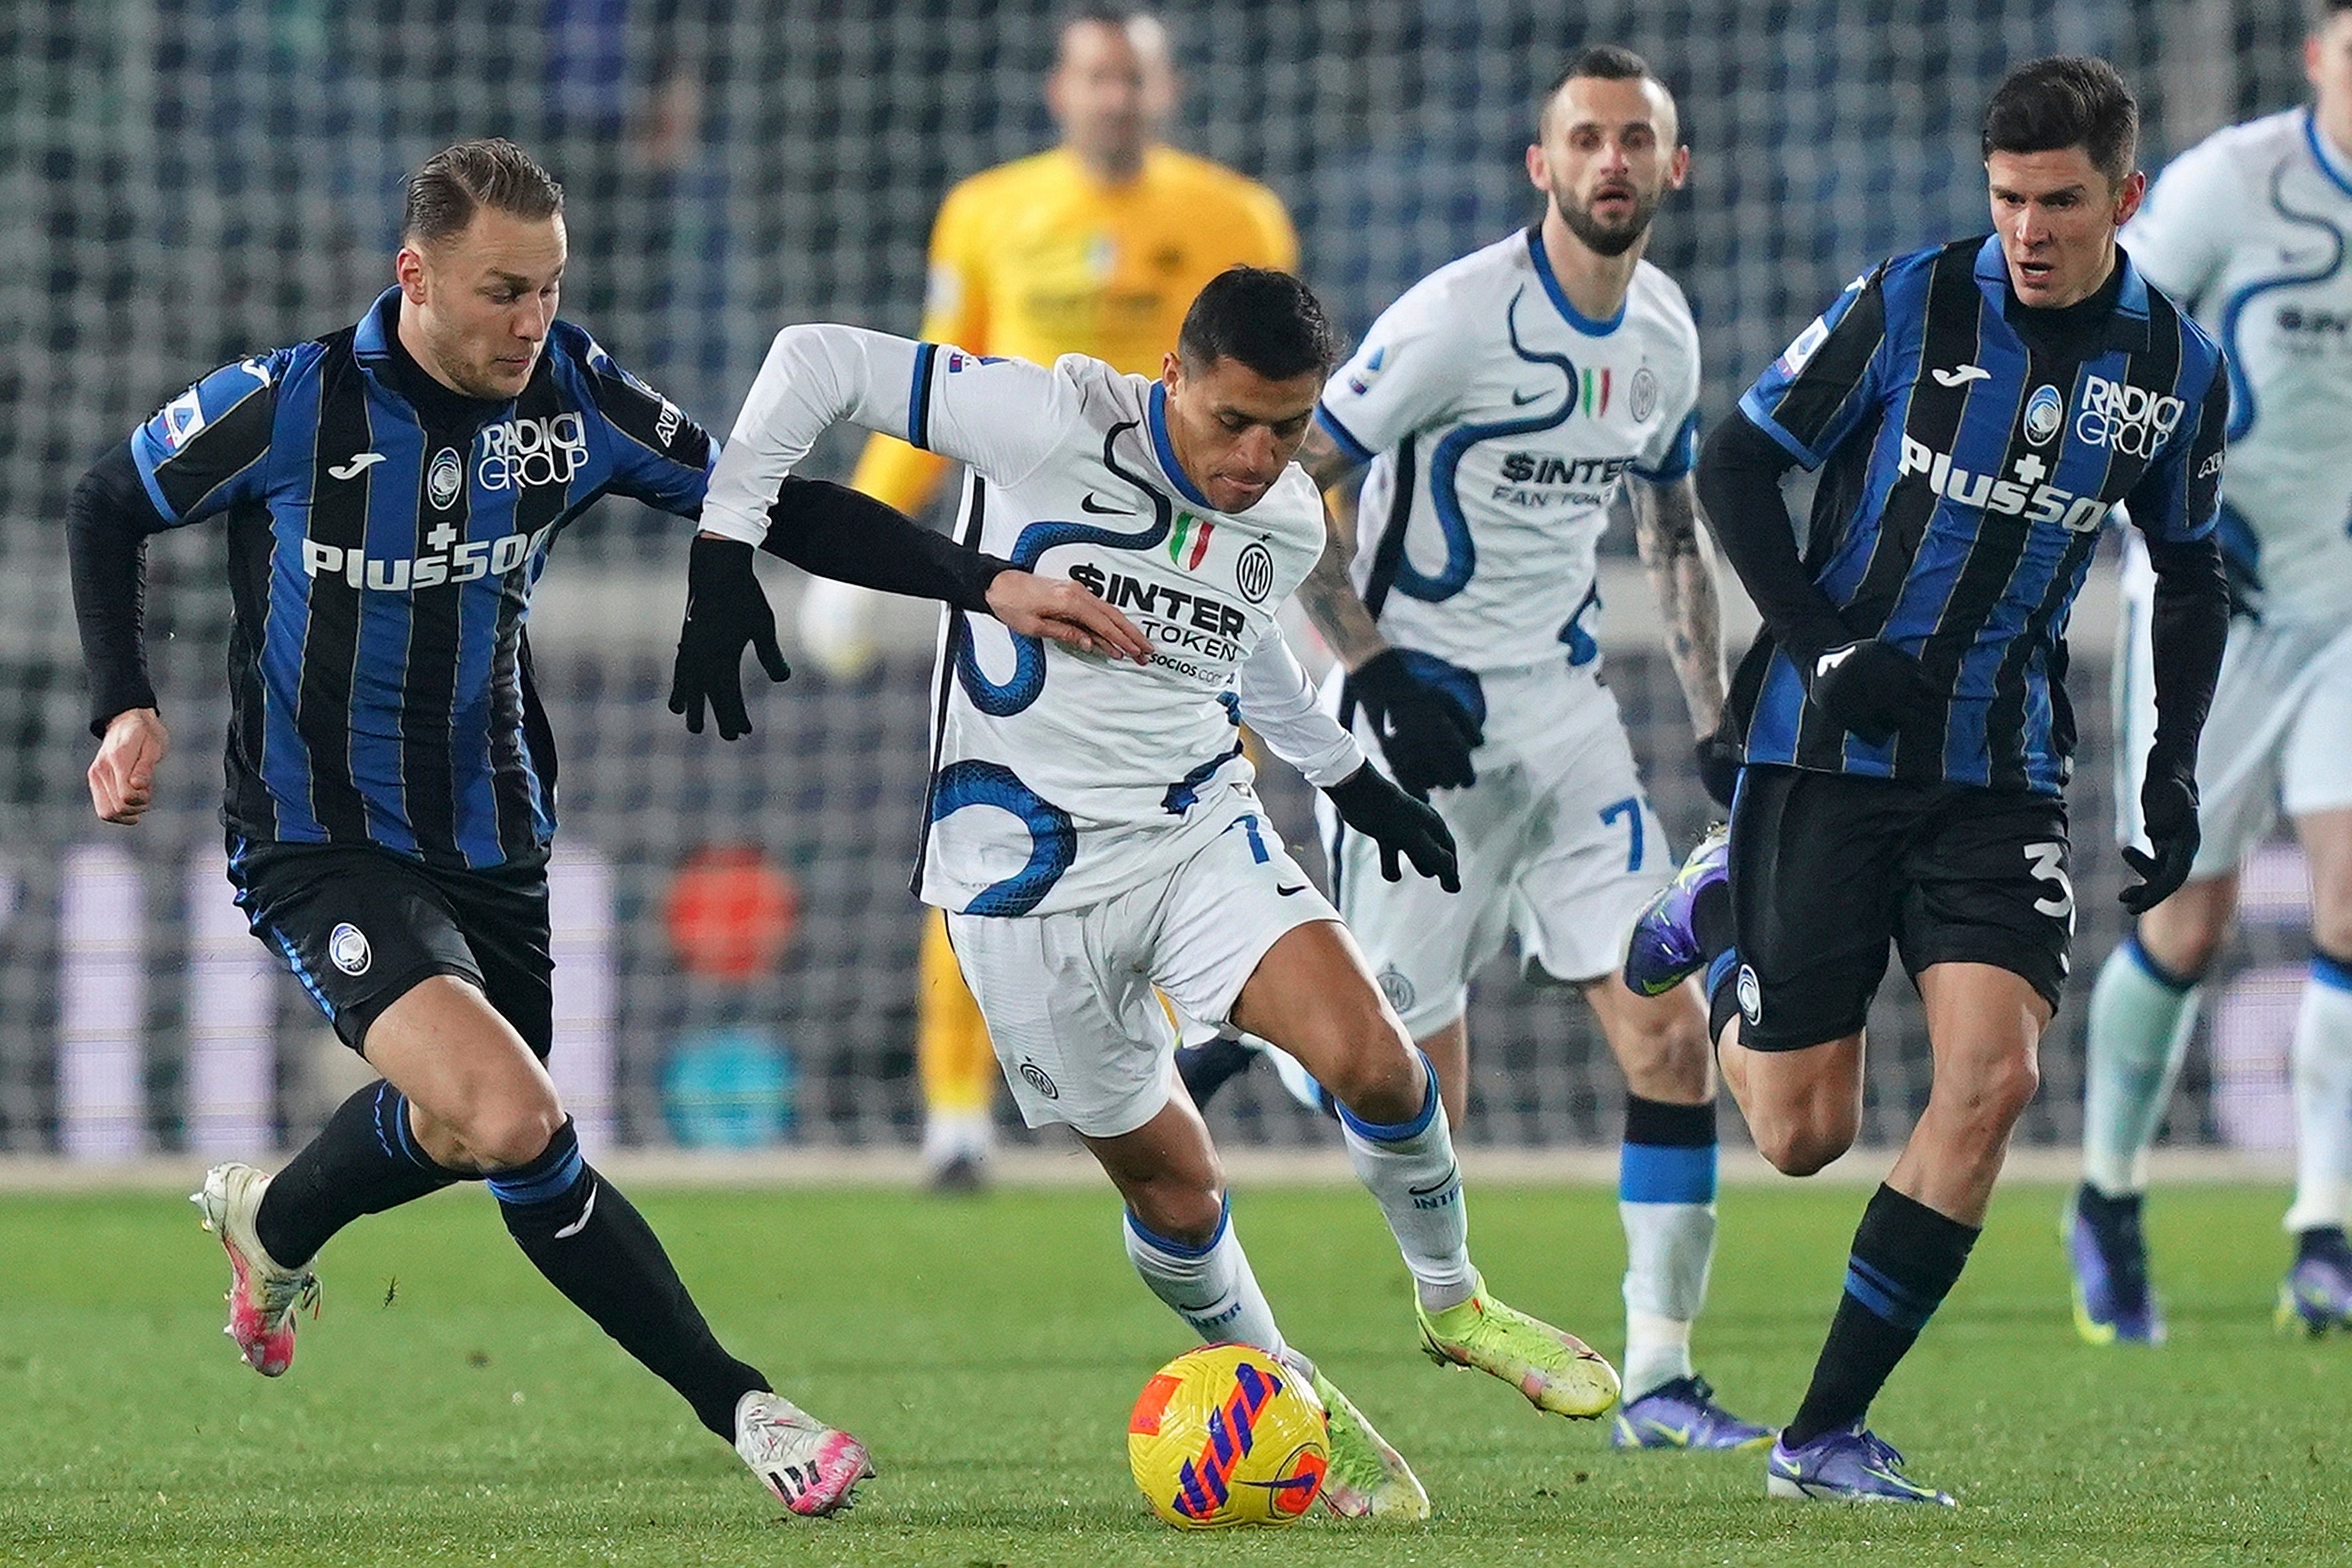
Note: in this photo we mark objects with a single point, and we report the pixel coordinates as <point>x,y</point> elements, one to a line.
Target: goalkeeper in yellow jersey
<point>1094,247</point>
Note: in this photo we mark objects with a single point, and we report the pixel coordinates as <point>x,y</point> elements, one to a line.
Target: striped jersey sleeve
<point>202,453</point>
<point>661,457</point>
<point>1824,382</point>
<point>2179,498</point>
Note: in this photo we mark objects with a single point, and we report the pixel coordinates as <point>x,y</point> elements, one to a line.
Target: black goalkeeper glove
<point>1720,756</point>
<point>1870,688</point>
<point>725,610</point>
<point>2167,805</point>
<point>1427,735</point>
<point>1400,825</point>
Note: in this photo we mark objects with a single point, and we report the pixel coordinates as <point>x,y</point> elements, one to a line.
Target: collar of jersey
<point>2331,163</point>
<point>1574,317</point>
<point>2128,329</point>
<point>1156,416</point>
<point>370,343</point>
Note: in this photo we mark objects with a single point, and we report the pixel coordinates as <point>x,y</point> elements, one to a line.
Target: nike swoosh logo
<point>1832,660</point>
<point>1960,375</point>
<point>577,1226</point>
<point>356,467</point>
<point>1285,892</point>
<point>1521,399</point>
<point>1679,1437</point>
<point>1088,505</point>
<point>1452,1175</point>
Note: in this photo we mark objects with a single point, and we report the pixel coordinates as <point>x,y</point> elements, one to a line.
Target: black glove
<point>1400,825</point>
<point>1720,757</point>
<point>724,610</point>
<point>1870,688</point>
<point>1425,734</point>
<point>2168,805</point>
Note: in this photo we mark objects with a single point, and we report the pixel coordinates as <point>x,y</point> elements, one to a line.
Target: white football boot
<point>812,1467</point>
<point>262,1294</point>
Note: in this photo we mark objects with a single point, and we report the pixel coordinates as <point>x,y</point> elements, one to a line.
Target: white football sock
<point>2321,1069</point>
<point>1409,1168</point>
<point>1211,1288</point>
<point>2140,1029</point>
<point>1666,1199</point>
<point>1668,1248</point>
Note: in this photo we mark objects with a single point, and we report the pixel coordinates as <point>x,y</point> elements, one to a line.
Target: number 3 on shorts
<point>2045,860</point>
<point>1630,808</point>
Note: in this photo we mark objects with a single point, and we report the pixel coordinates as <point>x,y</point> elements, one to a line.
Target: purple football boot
<point>1664,950</point>
<point>1845,1466</point>
<point>1683,1414</point>
<point>2108,1253</point>
<point>2316,1294</point>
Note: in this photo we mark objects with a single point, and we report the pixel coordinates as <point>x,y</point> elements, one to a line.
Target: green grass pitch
<point>449,1407</point>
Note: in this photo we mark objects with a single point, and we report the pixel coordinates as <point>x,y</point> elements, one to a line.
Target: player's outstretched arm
<point>1866,686</point>
<point>1427,735</point>
<point>1681,568</point>
<point>107,520</point>
<point>2175,504</point>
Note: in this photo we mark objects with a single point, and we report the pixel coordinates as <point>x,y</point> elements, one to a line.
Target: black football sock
<point>364,1161</point>
<point>594,1247</point>
<point>1906,1258</point>
<point>2322,1241</point>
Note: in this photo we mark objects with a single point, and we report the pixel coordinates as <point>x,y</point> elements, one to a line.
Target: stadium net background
<point>187,181</point>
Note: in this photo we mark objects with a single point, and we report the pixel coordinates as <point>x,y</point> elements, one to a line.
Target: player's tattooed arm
<point>1681,567</point>
<point>1328,595</point>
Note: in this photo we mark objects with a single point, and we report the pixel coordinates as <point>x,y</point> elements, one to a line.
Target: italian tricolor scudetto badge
<point>1199,541</point>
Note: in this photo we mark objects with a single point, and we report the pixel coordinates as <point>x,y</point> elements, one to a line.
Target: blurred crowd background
<point>187,181</point>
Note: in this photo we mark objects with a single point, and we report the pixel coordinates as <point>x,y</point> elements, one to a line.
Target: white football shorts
<point>1068,996</point>
<point>1558,843</point>
<point>2274,738</point>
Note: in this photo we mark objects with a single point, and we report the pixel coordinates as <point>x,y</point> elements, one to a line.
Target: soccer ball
<point>1227,1435</point>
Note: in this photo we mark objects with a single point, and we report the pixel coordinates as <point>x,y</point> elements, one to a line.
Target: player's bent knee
<point>1798,1148</point>
<point>507,1137</point>
<point>1184,1212</point>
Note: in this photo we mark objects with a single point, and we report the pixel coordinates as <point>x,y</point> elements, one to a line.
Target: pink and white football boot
<point>262,1294</point>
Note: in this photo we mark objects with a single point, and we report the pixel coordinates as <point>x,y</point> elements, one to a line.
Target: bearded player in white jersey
<point>1499,405</point>
<point>2249,228</point>
<point>1092,832</point>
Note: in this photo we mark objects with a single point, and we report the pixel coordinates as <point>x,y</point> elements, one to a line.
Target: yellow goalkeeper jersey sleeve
<point>1038,258</point>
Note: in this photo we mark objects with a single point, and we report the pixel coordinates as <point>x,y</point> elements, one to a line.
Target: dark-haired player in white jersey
<point>1091,830</point>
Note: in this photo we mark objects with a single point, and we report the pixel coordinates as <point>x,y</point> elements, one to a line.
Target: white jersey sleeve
<point>1277,703</point>
<point>2181,237</point>
<point>1001,416</point>
<point>1405,376</point>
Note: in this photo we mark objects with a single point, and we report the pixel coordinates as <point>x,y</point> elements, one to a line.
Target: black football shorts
<point>1827,869</point>
<point>361,927</point>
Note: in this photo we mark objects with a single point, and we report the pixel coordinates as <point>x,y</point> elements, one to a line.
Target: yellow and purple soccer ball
<point>1226,1435</point>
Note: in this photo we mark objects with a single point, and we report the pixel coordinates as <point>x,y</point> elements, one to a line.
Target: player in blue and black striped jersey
<point>389,494</point>
<point>1977,412</point>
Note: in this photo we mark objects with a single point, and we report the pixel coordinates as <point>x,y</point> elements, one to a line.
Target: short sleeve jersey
<point>380,568</point>
<point>1966,475</point>
<point>2248,229</point>
<point>1499,422</point>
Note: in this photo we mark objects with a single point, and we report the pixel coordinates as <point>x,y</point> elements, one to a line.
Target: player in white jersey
<point>1501,404</point>
<point>1092,831</point>
<point>2249,228</point>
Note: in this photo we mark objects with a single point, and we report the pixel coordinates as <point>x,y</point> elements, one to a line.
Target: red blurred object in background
<point>730,912</point>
